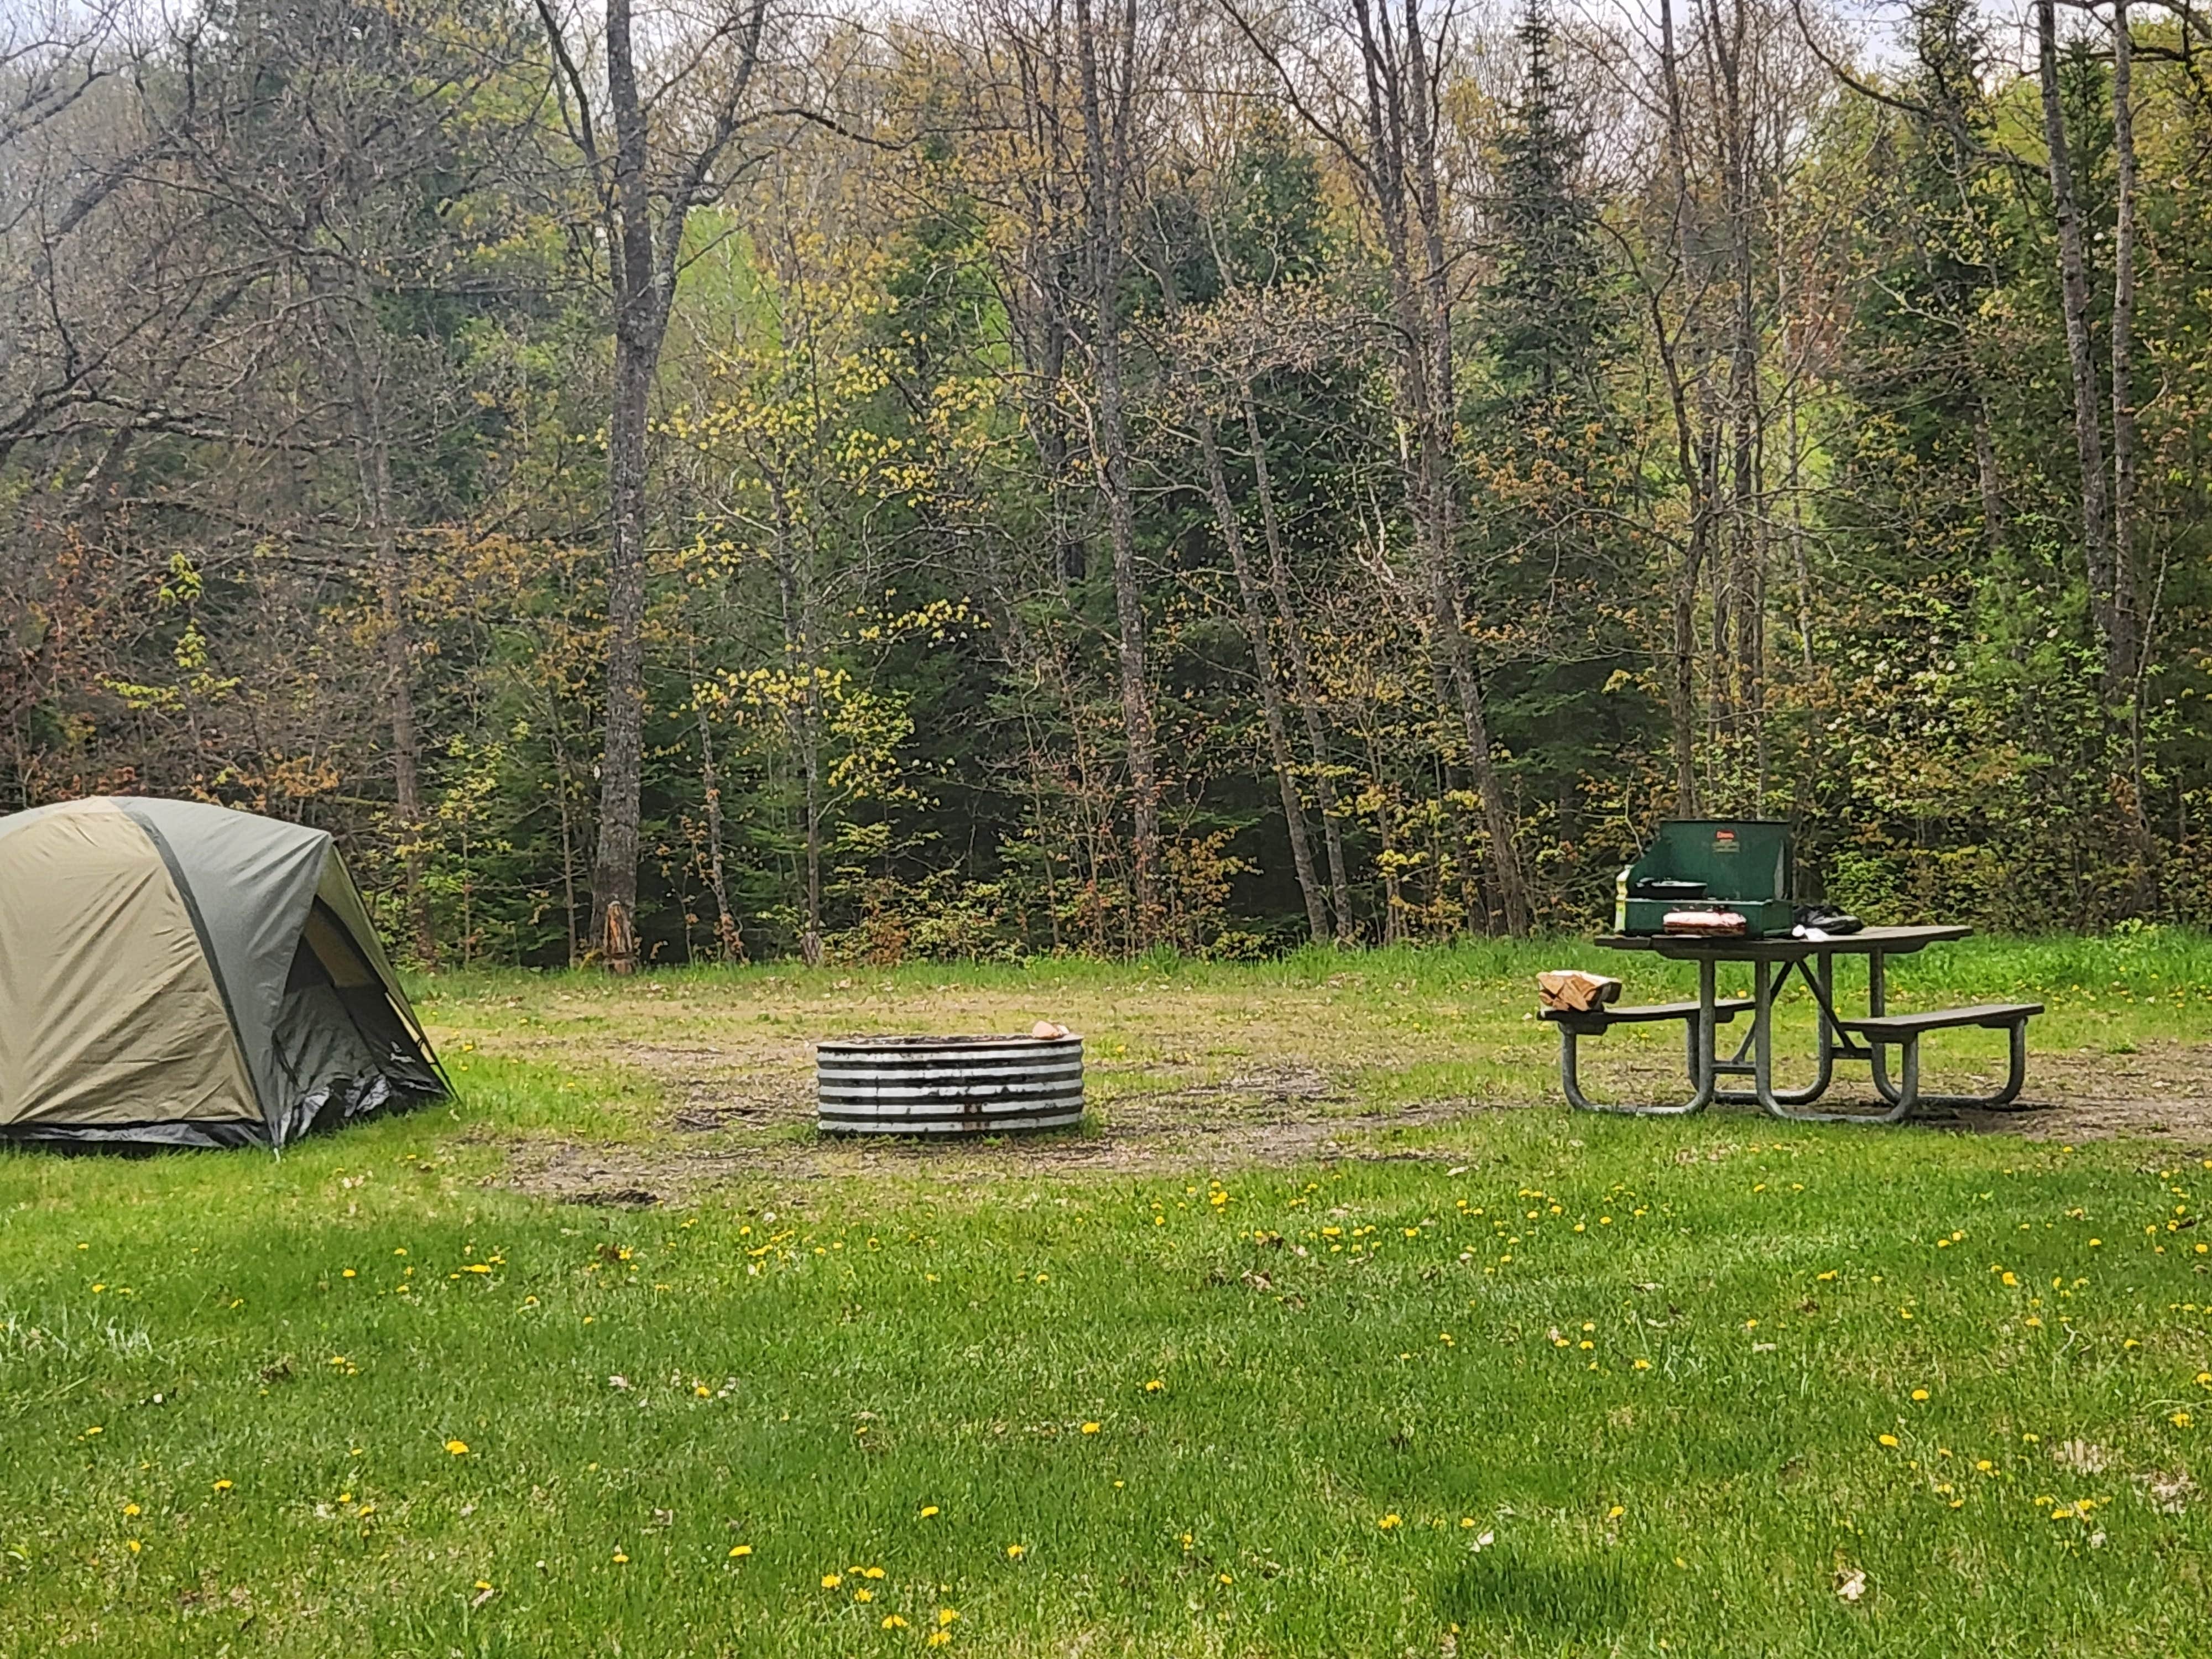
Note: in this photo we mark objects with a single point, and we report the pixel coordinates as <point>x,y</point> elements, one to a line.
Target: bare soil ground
<point>1183,1080</point>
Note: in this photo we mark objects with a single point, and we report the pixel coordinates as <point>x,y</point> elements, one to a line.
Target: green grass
<point>2151,962</point>
<point>812,1361</point>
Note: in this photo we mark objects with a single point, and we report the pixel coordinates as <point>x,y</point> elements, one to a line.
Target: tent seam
<point>207,951</point>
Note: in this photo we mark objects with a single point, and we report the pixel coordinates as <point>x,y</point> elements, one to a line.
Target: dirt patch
<point>1291,1115</point>
<point>1181,1080</point>
<point>2162,1090</point>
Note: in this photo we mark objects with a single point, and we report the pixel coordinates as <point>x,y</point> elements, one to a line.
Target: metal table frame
<point>1813,962</point>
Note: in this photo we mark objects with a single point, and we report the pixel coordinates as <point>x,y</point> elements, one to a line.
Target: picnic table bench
<point>1812,961</point>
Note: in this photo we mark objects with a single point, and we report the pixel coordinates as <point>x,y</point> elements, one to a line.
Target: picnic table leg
<point>1825,1072</point>
<point>1904,1098</point>
<point>1762,1034</point>
<point>1763,1073</point>
<point>1705,1073</point>
<point>1571,1084</point>
<point>1824,993</point>
<point>2016,1073</point>
<point>1877,1060</point>
<point>1702,1071</point>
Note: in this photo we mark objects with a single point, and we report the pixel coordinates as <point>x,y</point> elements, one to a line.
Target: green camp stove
<point>1742,864</point>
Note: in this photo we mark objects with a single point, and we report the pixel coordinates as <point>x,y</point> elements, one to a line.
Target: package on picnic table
<point>1570,990</point>
<point>1710,924</point>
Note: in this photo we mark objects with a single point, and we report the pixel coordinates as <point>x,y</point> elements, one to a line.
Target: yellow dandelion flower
<point>832,1580</point>
<point>459,1448</point>
<point>1642,1365</point>
<point>1886,1440</point>
<point>2180,1419</point>
<point>928,1509</point>
<point>738,1552</point>
<point>620,1559</point>
<point>892,1621</point>
<point>131,1509</point>
<point>937,1638</point>
<point>1015,1551</point>
<point>864,1594</point>
<point>222,1485</point>
<point>946,1616</point>
<point>1154,1386</point>
<point>1090,1428</point>
<point>1389,1521</point>
<point>1920,1394</point>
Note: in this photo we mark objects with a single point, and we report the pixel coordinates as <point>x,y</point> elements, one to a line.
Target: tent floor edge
<point>154,1137</point>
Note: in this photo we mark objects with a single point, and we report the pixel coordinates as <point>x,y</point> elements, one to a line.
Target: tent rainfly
<point>174,974</point>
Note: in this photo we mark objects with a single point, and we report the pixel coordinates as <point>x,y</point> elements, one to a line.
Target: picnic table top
<point>1868,941</point>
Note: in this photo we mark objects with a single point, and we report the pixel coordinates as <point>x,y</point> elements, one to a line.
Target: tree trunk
<point>1799,558</point>
<point>1302,681</point>
<point>1408,197</point>
<point>641,320</point>
<point>1441,488</point>
<point>1689,454</point>
<point>1263,664</point>
<point>1746,581</point>
<point>2121,661</point>
<point>803,720</point>
<point>2124,659</point>
<point>641,279</point>
<point>396,644</point>
<point>561,796</point>
<point>1109,160</point>
<point>710,786</point>
<point>2074,288</point>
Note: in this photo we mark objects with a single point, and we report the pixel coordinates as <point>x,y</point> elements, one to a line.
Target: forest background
<point>732,480</point>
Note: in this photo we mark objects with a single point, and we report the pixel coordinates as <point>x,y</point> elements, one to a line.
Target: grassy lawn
<point>1482,1382</point>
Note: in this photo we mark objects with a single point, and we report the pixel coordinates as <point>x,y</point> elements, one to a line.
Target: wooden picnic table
<point>1812,961</point>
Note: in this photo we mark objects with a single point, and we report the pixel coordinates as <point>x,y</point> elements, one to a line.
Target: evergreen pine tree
<point>1551,466</point>
<point>1545,306</point>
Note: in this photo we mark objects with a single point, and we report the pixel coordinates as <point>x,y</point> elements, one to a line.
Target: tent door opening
<point>343,1047</point>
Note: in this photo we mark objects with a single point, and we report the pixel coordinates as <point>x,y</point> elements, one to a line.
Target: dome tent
<point>182,975</point>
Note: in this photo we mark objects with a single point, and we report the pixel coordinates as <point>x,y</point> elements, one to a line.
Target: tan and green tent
<point>182,975</point>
